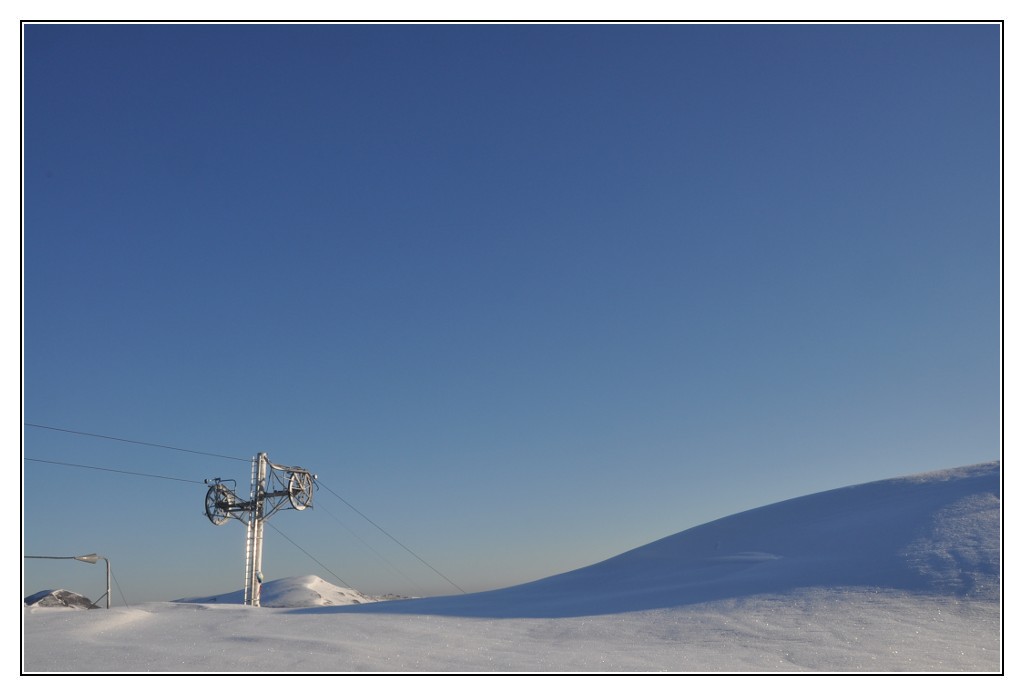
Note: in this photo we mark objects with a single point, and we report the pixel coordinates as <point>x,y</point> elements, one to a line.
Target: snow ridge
<point>933,534</point>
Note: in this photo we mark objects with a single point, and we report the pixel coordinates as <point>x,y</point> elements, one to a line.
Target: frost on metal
<point>273,486</point>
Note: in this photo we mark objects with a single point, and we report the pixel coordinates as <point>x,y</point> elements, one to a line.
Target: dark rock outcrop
<point>59,598</point>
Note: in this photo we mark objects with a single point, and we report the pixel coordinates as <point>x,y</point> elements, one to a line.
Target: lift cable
<point>115,471</point>
<point>136,442</point>
<point>391,566</point>
<point>383,531</point>
<point>171,478</point>
<point>345,583</point>
<point>222,456</point>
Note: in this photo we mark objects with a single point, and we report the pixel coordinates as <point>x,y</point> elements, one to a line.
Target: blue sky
<point>524,296</point>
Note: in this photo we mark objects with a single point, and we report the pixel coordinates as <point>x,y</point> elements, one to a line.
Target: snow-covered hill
<point>302,591</point>
<point>936,533</point>
<point>896,575</point>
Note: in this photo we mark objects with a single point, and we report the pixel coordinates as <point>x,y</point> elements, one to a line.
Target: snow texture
<point>901,575</point>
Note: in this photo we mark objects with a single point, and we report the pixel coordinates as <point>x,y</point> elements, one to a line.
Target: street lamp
<point>88,558</point>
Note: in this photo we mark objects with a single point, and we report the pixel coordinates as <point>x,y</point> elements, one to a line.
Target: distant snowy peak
<point>296,592</point>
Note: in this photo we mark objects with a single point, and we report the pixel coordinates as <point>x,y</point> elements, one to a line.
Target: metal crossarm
<point>272,485</point>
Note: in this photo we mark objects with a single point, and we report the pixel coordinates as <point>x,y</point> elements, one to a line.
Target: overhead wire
<point>118,586</point>
<point>390,566</point>
<point>135,442</point>
<point>136,473</point>
<point>115,471</point>
<point>343,582</point>
<point>388,535</point>
<point>172,478</point>
<point>222,456</point>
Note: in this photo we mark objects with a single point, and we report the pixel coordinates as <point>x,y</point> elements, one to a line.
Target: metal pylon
<point>273,486</point>
<point>254,534</point>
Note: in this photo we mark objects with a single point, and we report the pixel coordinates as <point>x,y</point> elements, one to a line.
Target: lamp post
<point>88,558</point>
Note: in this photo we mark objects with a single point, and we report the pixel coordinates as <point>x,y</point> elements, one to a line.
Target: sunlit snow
<point>896,575</point>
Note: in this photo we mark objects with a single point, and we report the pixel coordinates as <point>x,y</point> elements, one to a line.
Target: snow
<point>901,575</point>
<point>303,591</point>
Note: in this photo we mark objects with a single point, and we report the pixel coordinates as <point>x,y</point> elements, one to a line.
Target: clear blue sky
<point>525,296</point>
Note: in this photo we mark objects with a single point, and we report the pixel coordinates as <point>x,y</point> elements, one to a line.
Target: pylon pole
<point>254,535</point>
<point>286,484</point>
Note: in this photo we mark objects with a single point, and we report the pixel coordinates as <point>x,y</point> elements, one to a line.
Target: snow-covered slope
<point>935,533</point>
<point>302,591</point>
<point>897,575</point>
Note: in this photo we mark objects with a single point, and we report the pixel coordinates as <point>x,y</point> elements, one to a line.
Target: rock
<point>59,598</point>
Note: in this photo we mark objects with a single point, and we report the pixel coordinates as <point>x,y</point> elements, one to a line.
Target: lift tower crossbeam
<point>265,498</point>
